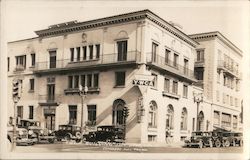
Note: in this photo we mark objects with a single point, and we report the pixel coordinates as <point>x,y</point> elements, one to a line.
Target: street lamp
<point>83,94</point>
<point>198,97</point>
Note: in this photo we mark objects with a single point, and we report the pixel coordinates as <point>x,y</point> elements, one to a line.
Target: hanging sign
<point>138,82</point>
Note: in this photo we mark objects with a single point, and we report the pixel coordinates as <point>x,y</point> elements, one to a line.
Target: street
<point>101,148</point>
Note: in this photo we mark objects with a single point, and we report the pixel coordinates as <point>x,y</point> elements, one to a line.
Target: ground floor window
<point>117,116</point>
<point>226,120</point>
<point>170,117</point>
<point>31,112</point>
<point>72,114</point>
<point>216,118</point>
<point>184,119</point>
<point>235,122</point>
<point>152,117</point>
<point>49,115</point>
<point>91,115</point>
<point>152,138</point>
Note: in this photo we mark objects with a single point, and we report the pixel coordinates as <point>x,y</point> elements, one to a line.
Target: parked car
<point>227,138</point>
<point>36,132</point>
<point>200,139</point>
<point>21,138</point>
<point>238,139</point>
<point>106,134</point>
<point>68,132</point>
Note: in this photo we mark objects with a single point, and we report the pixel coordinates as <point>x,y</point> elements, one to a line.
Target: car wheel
<point>234,143</point>
<point>200,144</point>
<point>226,143</point>
<point>217,143</point>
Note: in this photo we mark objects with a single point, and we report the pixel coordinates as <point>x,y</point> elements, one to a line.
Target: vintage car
<point>227,138</point>
<point>22,136</point>
<point>200,139</point>
<point>36,133</point>
<point>106,134</point>
<point>68,132</point>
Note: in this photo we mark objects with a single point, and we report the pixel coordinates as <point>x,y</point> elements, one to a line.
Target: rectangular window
<point>76,81</point>
<point>8,64</point>
<point>52,59</point>
<point>21,62</point>
<point>70,84</point>
<point>225,120</point>
<point>89,80</point>
<point>167,56</point>
<point>200,55</point>
<point>199,73</point>
<point>78,53</point>
<point>90,51</point>
<point>91,115</point>
<point>97,51</point>
<point>152,138</point>
<point>154,51</point>
<point>31,112</point>
<point>175,87</point>
<point>83,80</point>
<point>20,111</point>
<point>185,91</point>
<point>216,118</point>
<point>120,78</point>
<point>185,66</point>
<point>122,50</point>
<point>32,84</point>
<point>175,63</point>
<point>33,59</point>
<point>167,85</point>
<point>235,122</point>
<point>96,80</point>
<point>72,54</point>
<point>84,50</point>
<point>193,124</point>
<point>72,114</point>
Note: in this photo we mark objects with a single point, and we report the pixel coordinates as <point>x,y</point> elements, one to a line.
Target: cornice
<point>118,19</point>
<point>216,34</point>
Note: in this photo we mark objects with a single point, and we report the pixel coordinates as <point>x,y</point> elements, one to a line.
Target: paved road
<point>84,148</point>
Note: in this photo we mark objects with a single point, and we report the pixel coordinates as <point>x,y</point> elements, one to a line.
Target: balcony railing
<point>170,66</point>
<point>229,68</point>
<point>19,68</point>
<point>131,56</point>
<point>76,90</point>
<point>49,99</point>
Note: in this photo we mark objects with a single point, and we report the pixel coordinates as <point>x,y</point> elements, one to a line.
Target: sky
<point>23,17</point>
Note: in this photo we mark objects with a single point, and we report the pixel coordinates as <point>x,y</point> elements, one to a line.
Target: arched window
<point>184,119</point>
<point>152,117</point>
<point>117,116</point>
<point>200,121</point>
<point>170,117</point>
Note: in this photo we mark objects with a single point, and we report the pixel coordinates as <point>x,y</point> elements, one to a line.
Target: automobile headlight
<point>20,132</point>
<point>30,132</point>
<point>41,131</point>
<point>50,131</point>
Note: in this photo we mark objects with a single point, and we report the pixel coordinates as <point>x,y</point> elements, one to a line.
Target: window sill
<point>168,94</point>
<point>31,91</point>
<point>81,61</point>
<point>119,86</point>
<point>76,90</point>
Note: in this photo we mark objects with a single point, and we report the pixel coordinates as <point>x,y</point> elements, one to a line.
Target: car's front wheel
<point>210,143</point>
<point>226,143</point>
<point>217,143</point>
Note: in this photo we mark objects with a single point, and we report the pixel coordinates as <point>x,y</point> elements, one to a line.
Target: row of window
<point>229,81</point>
<point>21,62</point>
<point>226,99</point>
<point>225,119</point>
<point>171,86</point>
<point>228,62</point>
<point>91,115</point>
<point>20,112</point>
<point>85,53</point>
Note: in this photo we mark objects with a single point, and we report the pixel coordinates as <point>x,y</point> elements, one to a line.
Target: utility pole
<point>83,95</point>
<point>16,95</point>
<point>198,98</point>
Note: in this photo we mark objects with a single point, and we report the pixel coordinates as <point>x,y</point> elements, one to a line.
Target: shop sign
<point>138,82</point>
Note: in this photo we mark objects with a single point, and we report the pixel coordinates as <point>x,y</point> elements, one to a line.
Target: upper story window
<point>32,84</point>
<point>90,80</point>
<point>84,50</point>
<point>120,78</point>
<point>167,85</point>
<point>185,66</point>
<point>78,53</point>
<point>175,87</point>
<point>21,62</point>
<point>154,52</point>
<point>185,91</point>
<point>97,48</point>
<point>167,56</point>
<point>72,54</point>
<point>33,59</point>
<point>90,51</point>
<point>122,50</point>
<point>200,56</point>
<point>52,59</point>
<point>175,63</point>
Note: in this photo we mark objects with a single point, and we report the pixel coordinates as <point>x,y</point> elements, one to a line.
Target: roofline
<point>220,36</point>
<point>117,19</point>
<point>23,40</point>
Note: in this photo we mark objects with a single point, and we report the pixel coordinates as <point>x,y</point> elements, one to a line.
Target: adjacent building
<point>136,62</point>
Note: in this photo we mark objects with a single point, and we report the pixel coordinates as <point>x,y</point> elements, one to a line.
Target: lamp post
<point>198,98</point>
<point>83,94</point>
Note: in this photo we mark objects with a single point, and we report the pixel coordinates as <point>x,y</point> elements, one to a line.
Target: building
<point>218,70</point>
<point>136,62</point>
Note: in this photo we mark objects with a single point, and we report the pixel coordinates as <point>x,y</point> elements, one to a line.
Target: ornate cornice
<point>216,34</point>
<point>122,18</point>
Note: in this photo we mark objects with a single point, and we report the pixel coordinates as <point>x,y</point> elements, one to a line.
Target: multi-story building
<point>135,61</point>
<point>218,71</point>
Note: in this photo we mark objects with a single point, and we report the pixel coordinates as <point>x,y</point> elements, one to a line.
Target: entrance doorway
<point>49,115</point>
<point>200,121</point>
